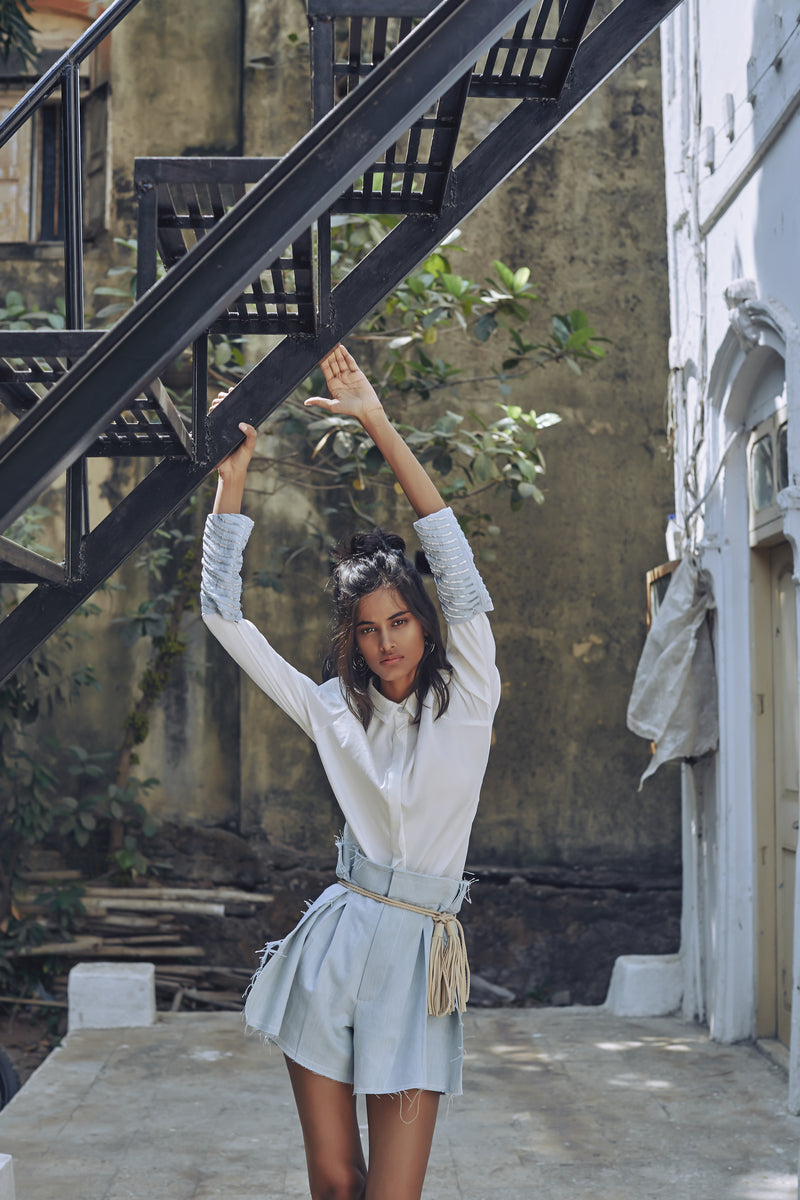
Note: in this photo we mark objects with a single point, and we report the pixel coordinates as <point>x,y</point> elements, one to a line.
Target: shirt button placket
<point>395,797</point>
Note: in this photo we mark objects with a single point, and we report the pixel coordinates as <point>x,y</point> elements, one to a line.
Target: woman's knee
<point>344,1183</point>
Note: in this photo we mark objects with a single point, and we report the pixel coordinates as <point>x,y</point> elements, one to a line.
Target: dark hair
<point>370,561</point>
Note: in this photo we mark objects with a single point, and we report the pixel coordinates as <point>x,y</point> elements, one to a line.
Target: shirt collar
<point>387,709</point>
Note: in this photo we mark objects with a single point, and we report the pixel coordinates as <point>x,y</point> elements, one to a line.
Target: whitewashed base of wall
<point>6,1177</point>
<point>645,985</point>
<point>110,995</point>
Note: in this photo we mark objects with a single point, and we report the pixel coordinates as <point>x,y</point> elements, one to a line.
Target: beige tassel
<point>448,966</point>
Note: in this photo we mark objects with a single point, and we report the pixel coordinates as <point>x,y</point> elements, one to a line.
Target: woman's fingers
<point>329,367</point>
<point>346,358</point>
<point>220,396</point>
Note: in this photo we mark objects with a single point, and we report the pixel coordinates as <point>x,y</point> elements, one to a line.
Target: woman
<point>365,995</point>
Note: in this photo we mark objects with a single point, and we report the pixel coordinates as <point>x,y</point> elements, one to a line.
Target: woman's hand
<point>233,469</point>
<point>235,465</point>
<point>351,393</point>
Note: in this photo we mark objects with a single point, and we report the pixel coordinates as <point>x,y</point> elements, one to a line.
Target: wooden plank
<point>99,948</point>
<point>180,893</point>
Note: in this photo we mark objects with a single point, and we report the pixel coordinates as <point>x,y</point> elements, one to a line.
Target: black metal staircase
<point>390,80</point>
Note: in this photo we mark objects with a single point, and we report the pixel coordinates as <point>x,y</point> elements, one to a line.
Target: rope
<point>448,967</point>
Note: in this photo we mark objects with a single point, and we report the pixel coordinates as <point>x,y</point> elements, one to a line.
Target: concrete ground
<point>558,1104</point>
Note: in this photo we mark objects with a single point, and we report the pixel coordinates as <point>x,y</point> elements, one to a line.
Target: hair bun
<point>421,563</point>
<point>367,543</point>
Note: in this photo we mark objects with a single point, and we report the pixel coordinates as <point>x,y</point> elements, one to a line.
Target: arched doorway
<point>773,618</point>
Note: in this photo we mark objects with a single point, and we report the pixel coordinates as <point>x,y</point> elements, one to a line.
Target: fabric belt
<point>448,967</point>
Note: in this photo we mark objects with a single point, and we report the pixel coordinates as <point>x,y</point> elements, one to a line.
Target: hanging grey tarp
<point>674,697</point>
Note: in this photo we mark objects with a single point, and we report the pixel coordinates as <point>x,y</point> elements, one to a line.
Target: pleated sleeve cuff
<point>462,592</point>
<point>224,538</point>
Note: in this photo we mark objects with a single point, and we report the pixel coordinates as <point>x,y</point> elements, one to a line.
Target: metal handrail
<point>51,79</point>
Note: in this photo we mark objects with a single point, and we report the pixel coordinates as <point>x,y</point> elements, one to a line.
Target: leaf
<point>455,284</point>
<point>111,310</point>
<point>343,444</point>
<point>561,330</point>
<point>579,337</point>
<point>521,277</point>
<point>448,423</point>
<point>437,264</point>
<point>485,327</point>
<point>529,491</point>
<point>483,469</point>
<point>506,275</point>
<point>432,317</point>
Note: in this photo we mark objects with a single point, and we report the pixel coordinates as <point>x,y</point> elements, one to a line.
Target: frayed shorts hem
<point>274,1039</point>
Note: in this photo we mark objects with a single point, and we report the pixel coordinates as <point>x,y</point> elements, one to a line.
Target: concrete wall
<point>587,215</point>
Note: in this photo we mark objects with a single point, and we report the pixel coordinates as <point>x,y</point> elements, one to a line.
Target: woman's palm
<point>351,393</point>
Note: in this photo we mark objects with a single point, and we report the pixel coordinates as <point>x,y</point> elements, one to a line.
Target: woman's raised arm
<point>352,395</point>
<point>233,469</point>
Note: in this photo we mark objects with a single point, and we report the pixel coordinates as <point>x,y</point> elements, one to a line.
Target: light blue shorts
<point>345,993</point>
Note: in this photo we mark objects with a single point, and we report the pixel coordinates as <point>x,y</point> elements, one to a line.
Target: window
<point>767,475</point>
<point>31,200</point>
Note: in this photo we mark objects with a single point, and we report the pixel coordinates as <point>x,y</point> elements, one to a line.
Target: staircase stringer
<point>275,377</point>
<point>286,201</point>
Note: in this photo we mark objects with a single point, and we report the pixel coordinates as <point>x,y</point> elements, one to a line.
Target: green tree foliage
<point>16,33</point>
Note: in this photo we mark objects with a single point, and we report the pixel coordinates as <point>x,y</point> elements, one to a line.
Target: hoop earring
<point>359,663</point>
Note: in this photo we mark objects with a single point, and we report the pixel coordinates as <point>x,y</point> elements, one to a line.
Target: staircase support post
<point>77,496</point>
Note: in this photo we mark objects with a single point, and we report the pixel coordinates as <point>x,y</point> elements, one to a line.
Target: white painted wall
<point>731,90</point>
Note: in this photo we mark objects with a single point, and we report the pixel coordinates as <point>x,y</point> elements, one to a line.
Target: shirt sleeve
<point>462,592</point>
<point>224,539</point>
<point>464,602</point>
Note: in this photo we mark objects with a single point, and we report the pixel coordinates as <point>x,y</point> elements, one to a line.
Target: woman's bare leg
<point>335,1158</point>
<point>400,1135</point>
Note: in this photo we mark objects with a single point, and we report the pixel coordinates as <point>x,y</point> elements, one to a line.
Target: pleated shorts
<point>345,993</point>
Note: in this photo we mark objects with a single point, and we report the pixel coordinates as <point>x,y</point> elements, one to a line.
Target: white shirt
<point>409,792</point>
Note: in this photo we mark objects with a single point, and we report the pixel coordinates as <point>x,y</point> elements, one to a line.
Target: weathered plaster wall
<point>587,214</point>
<point>176,86</point>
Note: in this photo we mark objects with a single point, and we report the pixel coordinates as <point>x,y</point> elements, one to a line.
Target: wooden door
<point>786,751</point>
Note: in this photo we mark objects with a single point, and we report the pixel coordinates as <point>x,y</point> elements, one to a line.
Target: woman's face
<point>392,641</point>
